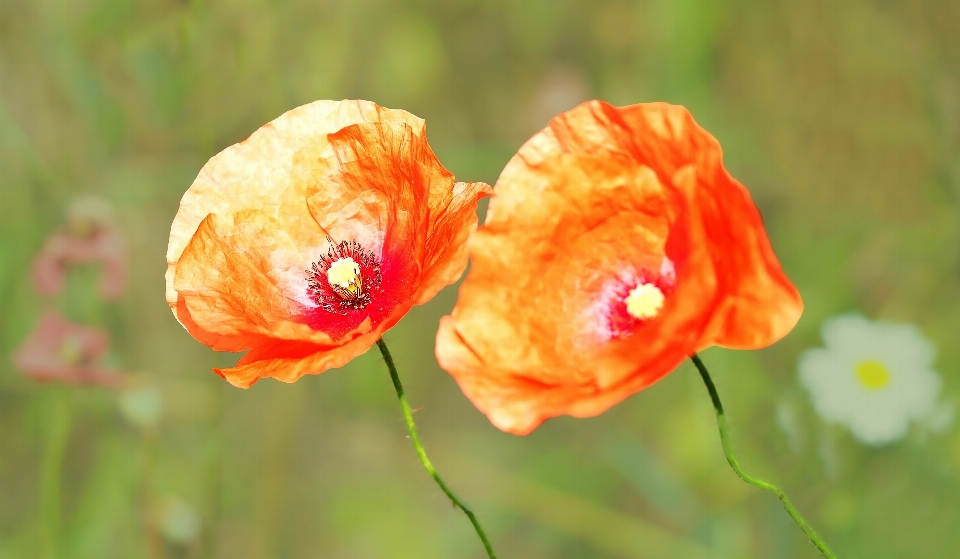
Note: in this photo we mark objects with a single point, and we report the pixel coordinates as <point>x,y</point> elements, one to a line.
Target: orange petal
<point>761,304</point>
<point>301,362</point>
<point>226,277</point>
<point>454,220</point>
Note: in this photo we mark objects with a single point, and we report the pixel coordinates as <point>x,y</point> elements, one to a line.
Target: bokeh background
<point>841,117</point>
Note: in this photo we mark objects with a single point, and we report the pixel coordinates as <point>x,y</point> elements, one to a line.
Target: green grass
<point>842,118</point>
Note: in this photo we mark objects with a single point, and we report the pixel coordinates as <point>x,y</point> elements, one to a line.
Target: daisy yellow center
<point>872,375</point>
<point>345,274</point>
<point>644,301</point>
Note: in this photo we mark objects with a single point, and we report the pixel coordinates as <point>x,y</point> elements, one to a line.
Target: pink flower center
<point>636,298</point>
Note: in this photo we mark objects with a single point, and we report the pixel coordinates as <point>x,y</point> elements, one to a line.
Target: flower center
<point>345,278</point>
<point>872,374</point>
<point>644,301</point>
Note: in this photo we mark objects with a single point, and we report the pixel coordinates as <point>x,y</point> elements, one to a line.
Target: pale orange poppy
<point>615,246</point>
<point>305,242</point>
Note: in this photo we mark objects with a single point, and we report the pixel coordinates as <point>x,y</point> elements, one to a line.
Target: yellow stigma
<point>345,274</point>
<point>644,301</point>
<point>872,374</point>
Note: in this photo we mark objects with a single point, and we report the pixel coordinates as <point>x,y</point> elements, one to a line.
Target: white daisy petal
<point>845,333</point>
<point>877,429</point>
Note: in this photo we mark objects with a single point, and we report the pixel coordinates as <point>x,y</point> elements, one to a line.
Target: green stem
<point>412,428</point>
<point>153,544</point>
<point>728,451</point>
<point>58,424</point>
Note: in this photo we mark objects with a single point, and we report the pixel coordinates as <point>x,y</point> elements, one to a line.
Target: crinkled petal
<point>226,276</point>
<point>761,305</point>
<point>393,176</point>
<point>288,362</point>
<point>454,219</point>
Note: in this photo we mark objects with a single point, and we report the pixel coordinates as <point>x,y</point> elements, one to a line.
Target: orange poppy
<point>615,246</point>
<point>309,239</point>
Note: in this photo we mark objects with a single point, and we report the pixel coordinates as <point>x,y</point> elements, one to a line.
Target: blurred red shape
<point>60,351</point>
<point>104,245</point>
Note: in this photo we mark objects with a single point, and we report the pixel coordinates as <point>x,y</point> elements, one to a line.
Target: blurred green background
<point>841,117</point>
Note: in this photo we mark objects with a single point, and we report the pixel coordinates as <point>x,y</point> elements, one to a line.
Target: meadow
<point>842,118</point>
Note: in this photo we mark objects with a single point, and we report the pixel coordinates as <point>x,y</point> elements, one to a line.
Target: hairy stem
<point>728,451</point>
<point>412,428</point>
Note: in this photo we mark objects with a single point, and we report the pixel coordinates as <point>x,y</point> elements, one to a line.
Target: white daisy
<point>873,377</point>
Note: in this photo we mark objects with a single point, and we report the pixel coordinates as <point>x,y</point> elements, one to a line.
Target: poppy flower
<point>90,237</point>
<point>305,242</point>
<point>60,351</point>
<point>615,246</point>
